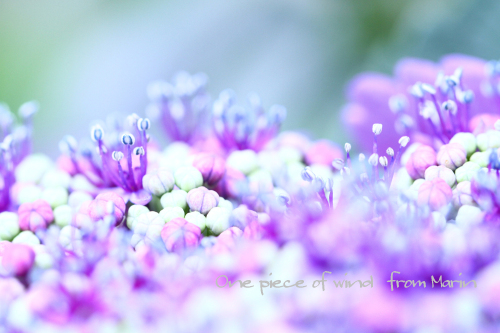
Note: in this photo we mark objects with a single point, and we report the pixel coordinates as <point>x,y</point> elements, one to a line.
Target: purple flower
<point>121,159</point>
<point>426,101</point>
<point>239,128</point>
<point>182,106</point>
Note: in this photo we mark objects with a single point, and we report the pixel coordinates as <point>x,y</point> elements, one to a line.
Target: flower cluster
<point>124,234</point>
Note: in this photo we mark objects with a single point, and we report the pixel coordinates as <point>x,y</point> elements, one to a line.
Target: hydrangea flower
<point>121,159</point>
<point>429,102</point>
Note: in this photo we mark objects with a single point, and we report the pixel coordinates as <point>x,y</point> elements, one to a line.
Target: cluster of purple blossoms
<point>124,234</point>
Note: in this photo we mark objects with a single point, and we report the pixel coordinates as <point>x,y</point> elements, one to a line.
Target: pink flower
<point>212,167</point>
<point>452,155</point>
<point>435,193</point>
<point>17,259</point>
<point>420,160</point>
<point>202,200</point>
<point>98,208</point>
<point>323,152</point>
<point>34,215</point>
<point>179,235</point>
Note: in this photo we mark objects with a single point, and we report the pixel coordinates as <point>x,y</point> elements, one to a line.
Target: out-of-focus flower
<point>15,145</point>
<point>183,106</point>
<point>239,128</point>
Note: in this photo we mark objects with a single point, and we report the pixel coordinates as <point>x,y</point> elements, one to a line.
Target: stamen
<point>128,139</point>
<point>97,133</point>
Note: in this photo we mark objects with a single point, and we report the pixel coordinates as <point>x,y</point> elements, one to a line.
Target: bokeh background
<point>83,59</point>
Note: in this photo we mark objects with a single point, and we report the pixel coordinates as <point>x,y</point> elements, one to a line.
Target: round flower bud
<point>422,158</point>
<point>33,168</point>
<point>440,172</point>
<point>56,178</point>
<point>226,241</point>
<point>462,194</point>
<point>35,215</point>
<point>147,230</point>
<point>28,193</point>
<point>218,219</point>
<point>467,171</point>
<point>133,214</point>
<point>435,193</point>
<point>43,259</point>
<point>98,208</point>
<point>159,182</point>
<point>176,198</point>
<point>170,213</point>
<point>187,178</point>
<point>26,237</point>
<point>467,140</point>
<point>198,219</point>
<point>76,198</point>
<point>71,238</point>
<point>63,215</point>
<point>180,235</point>
<point>55,196</point>
<point>9,226</point>
<point>490,139</point>
<point>202,200</point>
<point>18,259</point>
<point>482,158</point>
<point>468,216</point>
<point>212,167</point>
<point>225,204</point>
<point>244,161</point>
<point>452,155</point>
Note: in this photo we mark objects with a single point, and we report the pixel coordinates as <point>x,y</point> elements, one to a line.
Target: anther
<point>96,133</point>
<point>373,160</point>
<point>138,151</point>
<point>128,139</point>
<point>404,141</point>
<point>143,124</point>
<point>390,151</point>
<point>450,106</point>
<point>377,129</point>
<point>117,155</point>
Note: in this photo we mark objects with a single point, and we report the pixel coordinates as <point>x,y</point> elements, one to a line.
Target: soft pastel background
<point>83,59</point>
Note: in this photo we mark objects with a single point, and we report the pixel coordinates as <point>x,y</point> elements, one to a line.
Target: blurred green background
<point>83,59</point>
